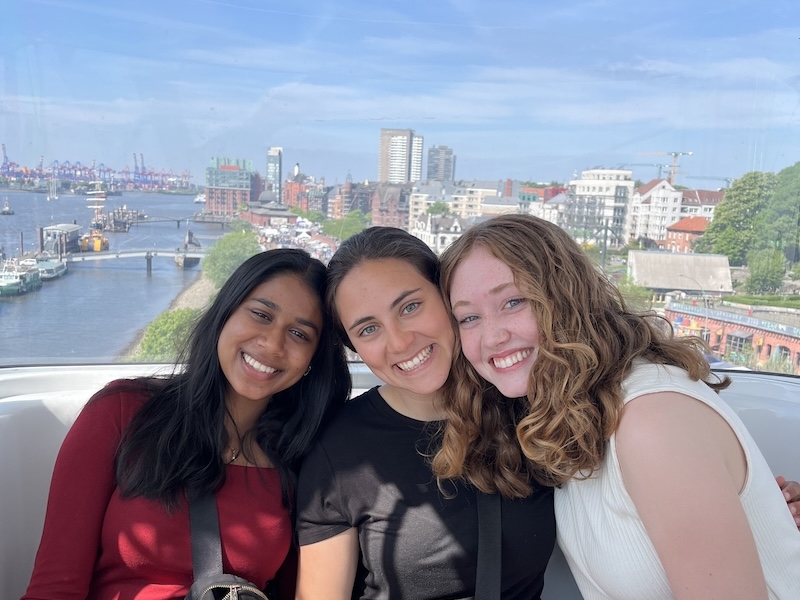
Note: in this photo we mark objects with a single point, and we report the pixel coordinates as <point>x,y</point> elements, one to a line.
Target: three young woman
<point>662,491</point>
<point>261,375</point>
<point>372,522</point>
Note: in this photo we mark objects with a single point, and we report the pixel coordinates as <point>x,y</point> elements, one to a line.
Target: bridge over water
<point>222,221</point>
<point>147,254</point>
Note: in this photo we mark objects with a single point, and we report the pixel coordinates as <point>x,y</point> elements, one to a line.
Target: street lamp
<point>706,332</point>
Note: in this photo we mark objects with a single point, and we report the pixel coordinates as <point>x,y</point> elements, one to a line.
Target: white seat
<point>39,404</point>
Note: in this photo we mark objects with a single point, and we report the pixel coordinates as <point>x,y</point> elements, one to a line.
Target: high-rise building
<point>400,156</point>
<point>441,164</point>
<point>274,177</point>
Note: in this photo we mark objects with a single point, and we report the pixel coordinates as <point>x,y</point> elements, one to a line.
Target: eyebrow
<point>395,302</point>
<point>495,290</point>
<point>271,305</point>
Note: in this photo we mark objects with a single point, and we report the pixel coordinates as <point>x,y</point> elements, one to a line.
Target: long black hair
<point>177,439</point>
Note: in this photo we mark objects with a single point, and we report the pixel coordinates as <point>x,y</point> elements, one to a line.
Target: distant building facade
<point>682,234</point>
<point>400,156</point>
<point>441,164</point>
<point>465,199</point>
<point>597,205</point>
<point>274,177</point>
<point>231,184</point>
<point>436,231</point>
<point>657,205</point>
<point>390,205</point>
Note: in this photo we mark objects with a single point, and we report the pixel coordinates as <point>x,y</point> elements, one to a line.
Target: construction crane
<point>673,169</point>
<point>727,180</point>
<point>661,167</point>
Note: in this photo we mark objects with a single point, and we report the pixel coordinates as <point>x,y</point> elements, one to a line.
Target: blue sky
<point>524,89</point>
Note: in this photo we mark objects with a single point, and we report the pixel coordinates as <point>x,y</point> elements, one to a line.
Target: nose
<point>495,333</point>
<point>398,338</point>
<point>272,341</point>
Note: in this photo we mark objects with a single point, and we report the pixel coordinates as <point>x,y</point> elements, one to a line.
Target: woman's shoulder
<point>121,396</point>
<point>647,377</point>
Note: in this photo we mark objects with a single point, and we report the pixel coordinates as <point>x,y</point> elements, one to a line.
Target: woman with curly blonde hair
<point>661,490</point>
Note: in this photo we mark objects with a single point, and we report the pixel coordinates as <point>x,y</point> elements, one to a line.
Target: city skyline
<point>523,90</point>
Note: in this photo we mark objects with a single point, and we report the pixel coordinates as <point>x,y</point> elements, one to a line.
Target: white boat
<point>51,269</point>
<point>6,210</point>
<point>17,279</point>
<point>200,199</point>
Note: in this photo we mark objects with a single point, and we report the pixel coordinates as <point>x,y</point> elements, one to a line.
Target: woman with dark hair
<point>260,376</point>
<point>662,492</point>
<point>372,522</point>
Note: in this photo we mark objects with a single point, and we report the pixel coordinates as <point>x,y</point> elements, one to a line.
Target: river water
<point>95,311</point>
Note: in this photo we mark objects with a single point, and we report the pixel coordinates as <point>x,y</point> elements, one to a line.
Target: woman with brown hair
<point>661,492</point>
<point>372,522</point>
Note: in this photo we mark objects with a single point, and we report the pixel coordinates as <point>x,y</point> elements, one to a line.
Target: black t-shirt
<point>370,471</point>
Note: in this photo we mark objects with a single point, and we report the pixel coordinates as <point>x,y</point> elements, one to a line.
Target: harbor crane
<point>727,180</point>
<point>661,167</point>
<point>673,169</point>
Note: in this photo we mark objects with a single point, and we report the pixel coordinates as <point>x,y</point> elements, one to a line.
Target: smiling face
<point>397,322</point>
<point>268,341</point>
<point>499,333</point>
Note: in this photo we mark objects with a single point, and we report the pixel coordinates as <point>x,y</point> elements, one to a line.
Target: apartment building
<point>464,198</point>
<point>400,156</point>
<point>658,204</point>
<point>274,172</point>
<point>441,164</point>
<point>598,205</point>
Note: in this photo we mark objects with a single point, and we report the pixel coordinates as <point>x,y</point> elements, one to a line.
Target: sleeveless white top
<point>605,542</point>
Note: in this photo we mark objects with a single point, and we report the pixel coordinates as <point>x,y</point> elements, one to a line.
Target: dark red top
<point>96,546</point>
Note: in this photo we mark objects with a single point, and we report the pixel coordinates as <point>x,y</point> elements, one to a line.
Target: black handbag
<point>210,583</point>
<point>488,585</point>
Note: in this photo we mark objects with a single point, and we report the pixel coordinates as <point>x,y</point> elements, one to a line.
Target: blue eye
<point>515,302</point>
<point>468,319</point>
<point>368,330</point>
<point>411,307</point>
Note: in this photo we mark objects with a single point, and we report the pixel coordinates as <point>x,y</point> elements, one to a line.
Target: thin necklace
<point>234,455</point>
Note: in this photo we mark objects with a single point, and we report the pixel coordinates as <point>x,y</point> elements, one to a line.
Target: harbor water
<point>94,312</point>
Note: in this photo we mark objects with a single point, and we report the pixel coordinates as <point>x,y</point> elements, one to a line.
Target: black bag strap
<point>488,574</point>
<point>206,545</point>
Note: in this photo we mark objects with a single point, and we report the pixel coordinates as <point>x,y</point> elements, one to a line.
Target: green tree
<point>439,209</point>
<point>342,229</point>
<point>227,254</point>
<point>166,336</point>
<point>780,219</point>
<point>733,231</point>
<point>766,271</point>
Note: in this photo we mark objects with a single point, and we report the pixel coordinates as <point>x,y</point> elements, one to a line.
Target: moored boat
<point>94,241</point>
<point>16,279</point>
<point>51,269</point>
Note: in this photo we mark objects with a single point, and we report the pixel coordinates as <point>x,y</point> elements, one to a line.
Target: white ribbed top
<point>604,539</point>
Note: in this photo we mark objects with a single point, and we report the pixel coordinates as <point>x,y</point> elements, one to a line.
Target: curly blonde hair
<point>588,340</point>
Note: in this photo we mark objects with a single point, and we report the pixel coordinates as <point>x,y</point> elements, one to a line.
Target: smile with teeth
<point>410,365</point>
<point>512,359</point>
<point>257,365</point>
